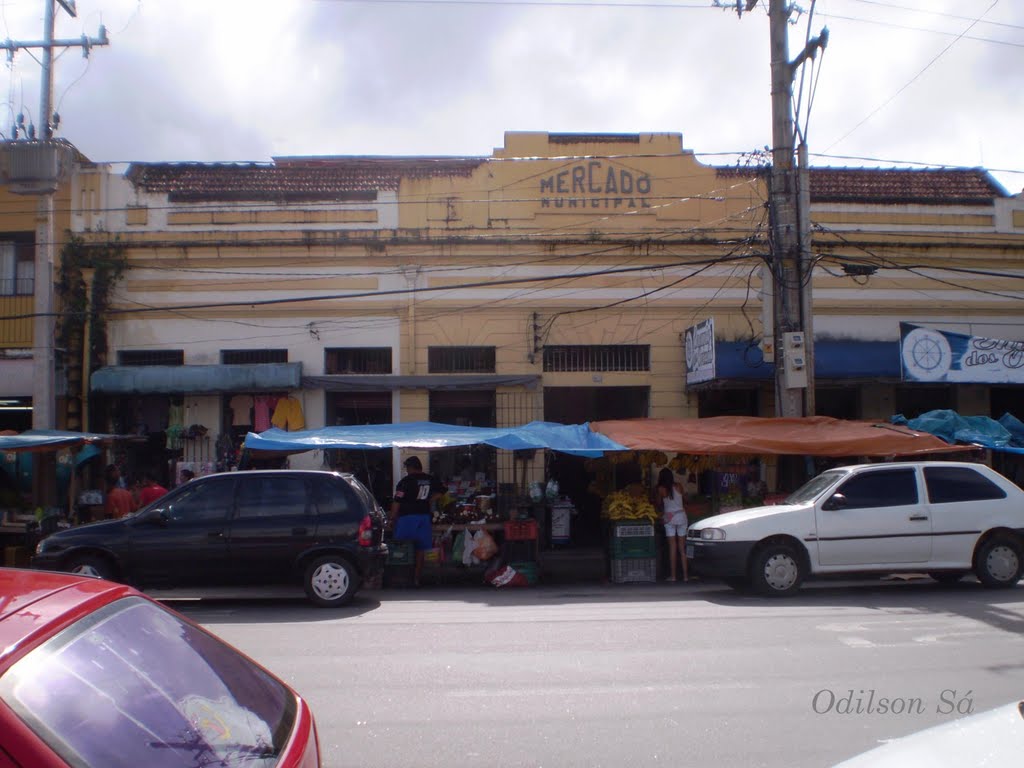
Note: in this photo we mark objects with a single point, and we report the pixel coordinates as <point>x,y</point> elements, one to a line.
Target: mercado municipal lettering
<point>594,185</point>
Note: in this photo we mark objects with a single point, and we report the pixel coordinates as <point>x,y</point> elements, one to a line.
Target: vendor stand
<point>22,514</point>
<point>494,501</point>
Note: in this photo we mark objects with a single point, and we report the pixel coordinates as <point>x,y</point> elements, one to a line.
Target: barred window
<point>460,359</point>
<point>568,358</point>
<point>151,357</point>
<point>17,268</point>
<point>253,356</point>
<point>357,360</point>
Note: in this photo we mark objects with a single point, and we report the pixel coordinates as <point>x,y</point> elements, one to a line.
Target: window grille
<point>597,357</point>
<point>253,356</point>
<point>151,357</point>
<point>357,360</point>
<point>17,268</point>
<point>460,360</point>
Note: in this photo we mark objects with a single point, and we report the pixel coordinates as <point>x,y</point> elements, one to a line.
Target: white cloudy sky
<point>250,79</point>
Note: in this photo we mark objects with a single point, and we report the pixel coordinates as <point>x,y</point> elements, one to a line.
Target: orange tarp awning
<point>753,435</point>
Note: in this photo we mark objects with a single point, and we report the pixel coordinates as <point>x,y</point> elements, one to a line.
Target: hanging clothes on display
<point>288,415</point>
<point>263,406</point>
<point>241,410</point>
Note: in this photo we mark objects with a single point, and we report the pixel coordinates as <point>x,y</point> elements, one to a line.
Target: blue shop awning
<point>833,359</point>
<point>196,379</point>
<point>577,439</point>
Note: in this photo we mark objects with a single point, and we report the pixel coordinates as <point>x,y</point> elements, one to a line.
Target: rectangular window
<point>151,357</point>
<point>17,267</point>
<point>253,356</point>
<point>959,484</point>
<point>568,358</point>
<point>460,360</point>
<point>354,360</point>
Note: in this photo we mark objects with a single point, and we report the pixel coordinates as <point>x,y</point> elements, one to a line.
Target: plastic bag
<point>536,491</point>
<point>506,576</point>
<point>552,490</point>
<point>485,546</point>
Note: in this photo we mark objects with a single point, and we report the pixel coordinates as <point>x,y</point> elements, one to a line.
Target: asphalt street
<point>614,675</point>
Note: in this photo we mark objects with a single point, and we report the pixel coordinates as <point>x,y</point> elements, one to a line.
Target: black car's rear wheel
<point>90,565</point>
<point>331,581</point>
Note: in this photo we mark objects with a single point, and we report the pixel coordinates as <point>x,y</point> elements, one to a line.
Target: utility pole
<point>36,167</point>
<point>789,207</point>
<point>785,233</point>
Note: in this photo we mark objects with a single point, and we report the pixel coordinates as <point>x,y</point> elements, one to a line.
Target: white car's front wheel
<point>999,562</point>
<point>777,570</point>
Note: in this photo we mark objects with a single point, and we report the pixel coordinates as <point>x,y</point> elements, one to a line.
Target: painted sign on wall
<point>700,351</point>
<point>927,354</point>
<point>595,184</point>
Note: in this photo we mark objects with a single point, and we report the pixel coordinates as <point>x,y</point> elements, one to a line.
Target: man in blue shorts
<point>411,511</point>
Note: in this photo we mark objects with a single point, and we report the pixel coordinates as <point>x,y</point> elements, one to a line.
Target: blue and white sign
<point>927,354</point>
<point>700,352</point>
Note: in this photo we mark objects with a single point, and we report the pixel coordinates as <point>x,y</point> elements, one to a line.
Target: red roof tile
<point>301,178</point>
<point>359,177</point>
<point>961,186</point>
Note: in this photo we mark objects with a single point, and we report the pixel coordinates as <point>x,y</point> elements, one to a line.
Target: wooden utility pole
<point>785,232</point>
<point>789,273</point>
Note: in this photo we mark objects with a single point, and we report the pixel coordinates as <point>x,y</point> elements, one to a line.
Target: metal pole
<point>785,233</point>
<point>43,323</point>
<point>46,86</point>
<point>806,274</point>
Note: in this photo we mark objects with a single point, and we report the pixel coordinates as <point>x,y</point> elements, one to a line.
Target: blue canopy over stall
<point>1006,434</point>
<point>48,439</point>
<point>575,439</point>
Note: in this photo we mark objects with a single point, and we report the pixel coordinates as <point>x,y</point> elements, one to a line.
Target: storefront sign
<point>930,355</point>
<point>595,185</point>
<point>700,351</point>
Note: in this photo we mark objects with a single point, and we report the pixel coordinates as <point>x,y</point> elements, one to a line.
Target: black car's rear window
<point>132,684</point>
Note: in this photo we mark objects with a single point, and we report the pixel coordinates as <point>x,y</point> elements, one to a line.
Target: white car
<point>994,738</point>
<point>946,519</point>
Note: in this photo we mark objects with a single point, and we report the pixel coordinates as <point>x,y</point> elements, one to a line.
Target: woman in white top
<point>670,503</point>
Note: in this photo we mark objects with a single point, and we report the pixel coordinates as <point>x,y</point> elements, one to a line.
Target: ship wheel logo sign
<point>926,355</point>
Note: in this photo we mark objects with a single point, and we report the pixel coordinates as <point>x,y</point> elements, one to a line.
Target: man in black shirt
<point>411,511</point>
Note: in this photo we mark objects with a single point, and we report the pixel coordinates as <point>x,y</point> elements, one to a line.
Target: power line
<point>395,292</point>
<point>913,79</point>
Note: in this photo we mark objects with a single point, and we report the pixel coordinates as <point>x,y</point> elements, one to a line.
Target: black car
<point>261,527</point>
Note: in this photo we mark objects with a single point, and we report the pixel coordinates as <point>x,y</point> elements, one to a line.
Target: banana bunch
<point>692,463</point>
<point>623,506</point>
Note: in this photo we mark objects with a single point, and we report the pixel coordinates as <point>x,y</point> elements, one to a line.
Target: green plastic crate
<point>632,547</point>
<point>401,553</point>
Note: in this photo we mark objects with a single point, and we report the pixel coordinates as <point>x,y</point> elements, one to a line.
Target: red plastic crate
<point>521,530</point>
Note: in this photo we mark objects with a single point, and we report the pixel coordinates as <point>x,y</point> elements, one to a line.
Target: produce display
<point>625,506</point>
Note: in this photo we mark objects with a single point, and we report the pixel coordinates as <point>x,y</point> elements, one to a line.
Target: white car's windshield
<point>814,487</point>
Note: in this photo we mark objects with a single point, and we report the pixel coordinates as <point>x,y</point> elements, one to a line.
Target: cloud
<point>195,80</point>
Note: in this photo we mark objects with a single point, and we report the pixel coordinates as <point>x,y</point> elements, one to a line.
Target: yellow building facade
<point>553,279</point>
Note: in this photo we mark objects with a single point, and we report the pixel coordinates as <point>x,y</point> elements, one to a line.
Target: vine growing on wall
<point>79,306</point>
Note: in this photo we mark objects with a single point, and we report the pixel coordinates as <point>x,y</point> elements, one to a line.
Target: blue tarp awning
<point>47,439</point>
<point>196,379</point>
<point>576,439</point>
<point>1007,434</point>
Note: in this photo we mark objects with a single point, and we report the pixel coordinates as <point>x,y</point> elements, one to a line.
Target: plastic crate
<point>629,529</point>
<point>401,553</point>
<point>634,570</point>
<point>521,530</point>
<point>632,547</point>
<point>529,570</point>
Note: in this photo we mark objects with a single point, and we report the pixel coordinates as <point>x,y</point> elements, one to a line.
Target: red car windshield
<point>131,684</point>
